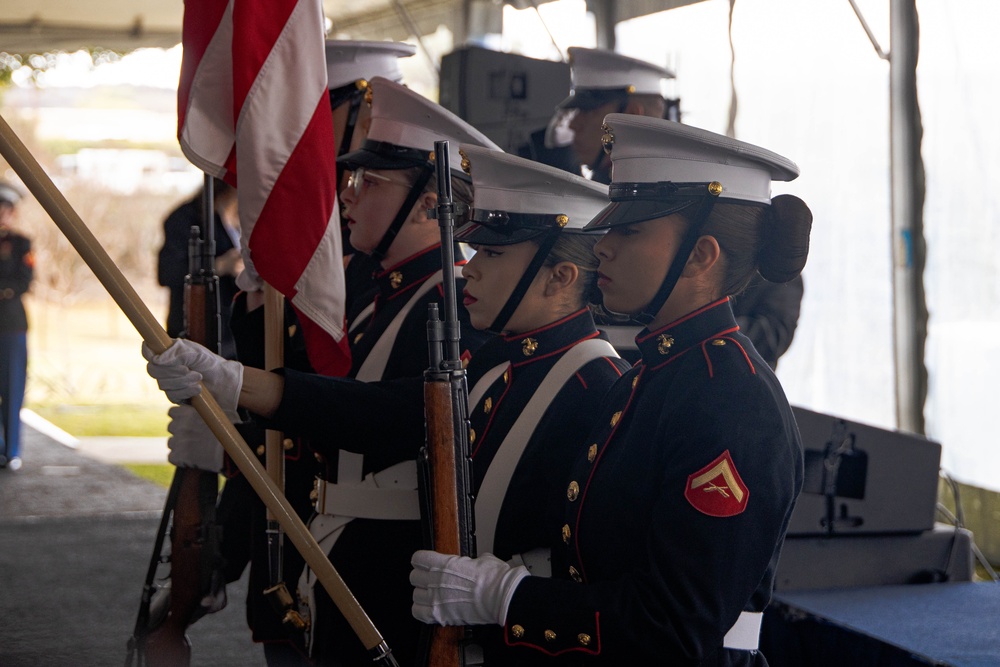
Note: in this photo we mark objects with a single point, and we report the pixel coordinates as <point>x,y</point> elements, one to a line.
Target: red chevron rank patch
<point>716,489</point>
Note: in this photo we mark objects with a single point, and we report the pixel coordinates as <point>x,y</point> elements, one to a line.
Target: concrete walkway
<point>76,536</point>
<point>108,449</point>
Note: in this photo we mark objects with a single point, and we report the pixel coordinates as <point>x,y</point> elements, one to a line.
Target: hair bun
<point>785,245</point>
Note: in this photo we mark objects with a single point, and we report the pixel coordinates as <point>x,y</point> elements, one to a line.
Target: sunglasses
<point>359,177</point>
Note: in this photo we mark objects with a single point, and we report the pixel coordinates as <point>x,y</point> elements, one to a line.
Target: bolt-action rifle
<point>195,586</point>
<point>445,458</point>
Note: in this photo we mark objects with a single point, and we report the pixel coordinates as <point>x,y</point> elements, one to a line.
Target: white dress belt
<point>388,494</point>
<point>745,633</point>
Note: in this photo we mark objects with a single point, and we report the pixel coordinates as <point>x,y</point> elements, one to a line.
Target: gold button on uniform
<point>472,436</point>
<point>718,342</point>
<point>395,279</point>
<point>615,417</point>
<point>574,574</point>
<point>550,636</point>
<point>260,450</point>
<point>635,381</point>
<point>583,638</point>
<point>287,443</point>
<point>592,453</point>
<point>488,405</point>
<point>517,631</point>
<point>573,491</point>
<point>566,533</point>
<point>358,337</point>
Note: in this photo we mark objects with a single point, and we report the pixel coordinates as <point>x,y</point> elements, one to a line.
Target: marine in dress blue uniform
<point>605,82</point>
<point>16,272</point>
<point>371,552</point>
<point>515,460</point>
<point>677,502</point>
<point>350,66</point>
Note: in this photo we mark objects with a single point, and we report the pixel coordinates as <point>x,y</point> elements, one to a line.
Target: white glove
<point>457,590</point>
<point>191,443</point>
<point>180,368</point>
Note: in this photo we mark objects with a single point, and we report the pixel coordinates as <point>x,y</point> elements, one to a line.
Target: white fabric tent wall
<point>810,86</point>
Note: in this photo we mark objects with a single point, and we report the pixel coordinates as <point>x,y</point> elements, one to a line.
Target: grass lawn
<point>106,419</point>
<point>159,473</point>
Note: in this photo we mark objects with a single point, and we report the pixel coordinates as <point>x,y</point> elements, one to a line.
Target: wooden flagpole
<point>153,334</point>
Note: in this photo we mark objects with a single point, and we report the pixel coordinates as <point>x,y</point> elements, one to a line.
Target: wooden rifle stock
<point>447,425</point>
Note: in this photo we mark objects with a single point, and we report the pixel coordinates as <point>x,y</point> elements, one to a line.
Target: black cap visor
<point>503,228</point>
<point>630,212</point>
<point>477,234</point>
<point>639,202</point>
<point>383,155</point>
<point>592,98</point>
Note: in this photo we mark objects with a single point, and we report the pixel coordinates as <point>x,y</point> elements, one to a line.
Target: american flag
<point>253,102</point>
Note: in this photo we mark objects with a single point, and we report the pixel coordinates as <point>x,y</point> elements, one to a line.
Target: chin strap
<point>354,99</point>
<point>416,190</point>
<point>544,248</point>
<point>352,120</point>
<point>651,309</point>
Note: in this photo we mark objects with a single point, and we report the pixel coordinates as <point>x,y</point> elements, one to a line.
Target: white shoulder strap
<point>498,475</point>
<point>362,317</point>
<point>374,365</point>
<point>485,382</point>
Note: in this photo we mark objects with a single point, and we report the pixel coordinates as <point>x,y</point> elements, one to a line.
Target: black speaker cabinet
<point>504,95</point>
<point>942,554</point>
<point>860,479</point>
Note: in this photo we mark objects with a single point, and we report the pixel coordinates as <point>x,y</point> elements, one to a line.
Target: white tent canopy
<point>122,25</point>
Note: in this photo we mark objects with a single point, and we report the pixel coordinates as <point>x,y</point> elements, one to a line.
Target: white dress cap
<point>405,126</point>
<point>598,68</point>
<point>516,199</point>
<point>348,61</point>
<point>653,150</point>
<point>9,194</point>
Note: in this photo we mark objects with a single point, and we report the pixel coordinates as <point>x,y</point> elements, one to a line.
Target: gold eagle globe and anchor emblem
<point>607,138</point>
<point>529,346</point>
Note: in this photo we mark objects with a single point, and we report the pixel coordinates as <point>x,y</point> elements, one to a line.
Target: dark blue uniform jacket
<point>674,510</point>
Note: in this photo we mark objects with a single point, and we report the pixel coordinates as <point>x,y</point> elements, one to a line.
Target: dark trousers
<point>13,371</point>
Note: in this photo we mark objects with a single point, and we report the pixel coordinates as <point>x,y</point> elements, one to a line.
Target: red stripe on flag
<point>281,246</point>
<point>257,24</point>
<point>327,356</point>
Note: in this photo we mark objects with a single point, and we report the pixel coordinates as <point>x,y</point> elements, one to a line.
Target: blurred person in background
<point>606,82</point>
<point>172,264</point>
<point>16,272</point>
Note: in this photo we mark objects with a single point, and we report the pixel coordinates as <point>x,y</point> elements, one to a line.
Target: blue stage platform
<point>956,624</point>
